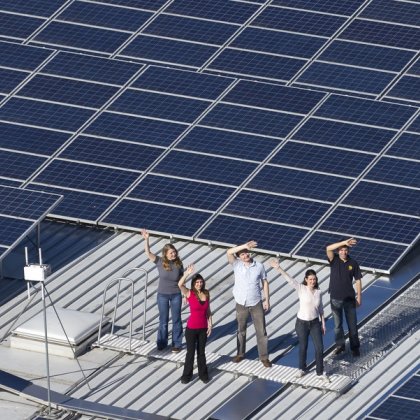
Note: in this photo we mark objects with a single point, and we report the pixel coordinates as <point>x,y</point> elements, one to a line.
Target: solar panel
<point>184,192</point>
<point>106,16</point>
<point>346,78</point>
<point>20,211</point>
<point>404,398</point>
<point>248,118</point>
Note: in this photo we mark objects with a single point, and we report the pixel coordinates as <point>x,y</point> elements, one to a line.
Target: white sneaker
<point>323,378</point>
<point>300,373</point>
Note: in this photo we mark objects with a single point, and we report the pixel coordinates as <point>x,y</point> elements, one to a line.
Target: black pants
<point>196,340</point>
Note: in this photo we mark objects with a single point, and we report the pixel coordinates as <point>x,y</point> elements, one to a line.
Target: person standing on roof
<point>343,299</point>
<point>250,279</point>
<point>310,319</point>
<point>199,325</point>
<point>170,270</point>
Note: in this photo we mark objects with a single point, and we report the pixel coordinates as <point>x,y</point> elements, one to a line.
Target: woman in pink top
<point>199,325</point>
<point>310,319</point>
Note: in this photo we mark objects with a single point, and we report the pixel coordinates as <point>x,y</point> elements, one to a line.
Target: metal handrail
<point>111,283</point>
<point>145,295</point>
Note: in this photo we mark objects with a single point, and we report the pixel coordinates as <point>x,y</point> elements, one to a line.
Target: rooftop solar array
<point>20,211</point>
<point>403,400</point>
<point>292,122</point>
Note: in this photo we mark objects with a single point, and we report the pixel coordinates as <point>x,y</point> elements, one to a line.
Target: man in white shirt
<point>250,279</point>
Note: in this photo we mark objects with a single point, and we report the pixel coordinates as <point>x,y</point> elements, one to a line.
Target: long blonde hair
<point>165,262</point>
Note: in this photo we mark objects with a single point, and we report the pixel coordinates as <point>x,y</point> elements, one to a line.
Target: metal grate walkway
<point>252,368</point>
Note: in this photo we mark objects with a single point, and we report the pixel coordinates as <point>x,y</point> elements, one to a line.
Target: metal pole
<point>46,348</point>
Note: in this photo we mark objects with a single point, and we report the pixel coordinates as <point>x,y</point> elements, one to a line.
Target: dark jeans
<point>258,318</point>
<point>174,301</point>
<point>196,340</point>
<point>303,329</point>
<point>348,306</point>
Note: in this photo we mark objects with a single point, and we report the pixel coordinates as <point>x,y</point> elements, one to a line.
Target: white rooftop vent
<point>81,329</point>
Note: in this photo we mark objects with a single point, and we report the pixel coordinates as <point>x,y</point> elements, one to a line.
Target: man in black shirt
<point>343,299</point>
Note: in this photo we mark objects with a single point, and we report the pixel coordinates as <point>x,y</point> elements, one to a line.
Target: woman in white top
<point>310,318</point>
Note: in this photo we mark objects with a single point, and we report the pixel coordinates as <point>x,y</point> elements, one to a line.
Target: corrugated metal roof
<point>152,385</point>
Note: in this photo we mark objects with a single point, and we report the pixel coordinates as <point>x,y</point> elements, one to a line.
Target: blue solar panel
<point>355,222</point>
<point>298,21</point>
<point>221,10</point>
<point>277,97</point>
<point>18,165</point>
<point>77,205</point>
<point>383,34</point>
<point>188,29</point>
<point>105,16</point>
<point>274,208</point>
<point>415,68</point>
<point>16,26</point>
<point>227,143</point>
<point>29,139</point>
<point>347,78</point>
<point>256,64</point>
<point>392,11</point>
<point>411,389</point>
<point>193,194</point>
<point>44,114</point>
<point>396,171</point>
<point>347,7</point>
<point>298,183</point>
<point>159,106</point>
<point>385,197</point>
<point>9,79</point>
<point>10,183</point>
<point>22,57</point>
<point>81,37</point>
<point>254,121</point>
<point>91,68</point>
<point>86,177</point>
<point>322,159</point>
<point>415,125</point>
<point>168,51</point>
<point>408,87</point>
<point>407,145</point>
<point>182,82</point>
<point>268,235</point>
<point>35,7</point>
<point>11,229</point>
<point>393,407</point>
<point>140,130</point>
<point>25,203</point>
<point>363,55</point>
<point>68,91</point>
<point>139,4</point>
<point>175,220</point>
<point>111,153</point>
<point>205,168</point>
<point>275,42</point>
<point>350,136</point>
<point>363,111</point>
<point>368,253</point>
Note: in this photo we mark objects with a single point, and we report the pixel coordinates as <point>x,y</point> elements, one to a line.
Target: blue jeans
<point>303,329</point>
<point>257,315</point>
<point>348,306</point>
<point>174,301</point>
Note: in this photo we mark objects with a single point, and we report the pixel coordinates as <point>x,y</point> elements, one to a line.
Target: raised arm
<point>331,248</point>
<point>232,251</point>
<point>274,262</point>
<point>150,255</point>
<point>181,284</point>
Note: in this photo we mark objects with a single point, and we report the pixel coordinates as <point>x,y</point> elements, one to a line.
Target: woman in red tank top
<point>199,325</point>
